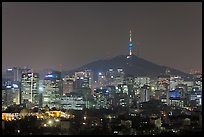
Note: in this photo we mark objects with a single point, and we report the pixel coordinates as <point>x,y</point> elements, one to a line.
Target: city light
<point>15,85</point>
<point>50,122</point>
<point>49,76</point>
<point>57,120</point>
<point>41,89</point>
<point>8,86</point>
<point>105,87</point>
<point>9,69</point>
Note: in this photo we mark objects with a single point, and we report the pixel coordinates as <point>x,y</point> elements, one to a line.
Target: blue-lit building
<point>177,98</point>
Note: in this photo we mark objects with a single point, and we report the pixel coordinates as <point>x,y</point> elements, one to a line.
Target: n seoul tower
<point>130,44</point>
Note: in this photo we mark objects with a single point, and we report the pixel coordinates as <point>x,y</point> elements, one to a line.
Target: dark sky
<point>44,35</point>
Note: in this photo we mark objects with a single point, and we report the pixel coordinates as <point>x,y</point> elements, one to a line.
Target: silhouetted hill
<point>134,66</point>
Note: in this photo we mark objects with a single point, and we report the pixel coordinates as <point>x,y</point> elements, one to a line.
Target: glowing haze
<point>45,35</point>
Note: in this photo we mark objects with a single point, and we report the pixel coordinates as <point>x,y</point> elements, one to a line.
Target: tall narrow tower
<point>130,44</point>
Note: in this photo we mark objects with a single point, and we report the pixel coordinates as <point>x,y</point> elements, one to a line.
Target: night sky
<point>44,35</point>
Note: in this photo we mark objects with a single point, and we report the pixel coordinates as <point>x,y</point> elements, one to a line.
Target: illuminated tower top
<point>130,44</point>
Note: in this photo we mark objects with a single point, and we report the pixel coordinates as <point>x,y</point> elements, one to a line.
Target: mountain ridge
<point>132,65</point>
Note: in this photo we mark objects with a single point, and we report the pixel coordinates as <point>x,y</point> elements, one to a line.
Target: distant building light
<point>81,77</point>
<point>99,73</point>
<point>41,88</point>
<point>128,57</point>
<point>50,122</point>
<point>46,99</point>
<point>57,120</point>
<point>8,86</point>
<point>15,85</point>
<point>9,69</point>
<point>198,96</point>
<point>30,74</point>
<point>49,76</point>
<point>115,132</point>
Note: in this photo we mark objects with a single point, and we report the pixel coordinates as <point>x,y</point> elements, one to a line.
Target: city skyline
<point>45,35</point>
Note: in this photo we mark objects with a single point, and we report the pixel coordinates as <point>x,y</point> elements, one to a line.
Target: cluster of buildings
<point>125,104</point>
<point>111,89</point>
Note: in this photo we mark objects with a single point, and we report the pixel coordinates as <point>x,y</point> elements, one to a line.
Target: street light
<point>57,120</point>
<point>50,122</point>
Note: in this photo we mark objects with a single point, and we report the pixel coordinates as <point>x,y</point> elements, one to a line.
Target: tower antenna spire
<point>130,44</point>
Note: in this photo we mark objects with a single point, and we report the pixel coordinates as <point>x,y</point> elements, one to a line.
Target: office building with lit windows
<point>52,90</point>
<point>68,85</point>
<point>83,79</point>
<point>30,89</point>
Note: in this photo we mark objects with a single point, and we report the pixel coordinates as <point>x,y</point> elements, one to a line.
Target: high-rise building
<point>90,76</point>
<point>30,89</point>
<point>163,84</point>
<point>68,85</point>
<point>12,84</point>
<point>84,79</point>
<point>101,79</point>
<point>110,75</point>
<point>11,95</point>
<point>102,98</point>
<point>52,89</point>
<point>15,73</point>
<point>145,93</point>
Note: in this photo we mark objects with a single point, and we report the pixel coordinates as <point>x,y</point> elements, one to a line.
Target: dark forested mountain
<point>133,65</point>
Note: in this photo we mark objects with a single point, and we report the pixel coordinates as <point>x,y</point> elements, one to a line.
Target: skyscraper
<point>68,84</point>
<point>52,89</point>
<point>15,73</point>
<point>84,79</point>
<point>29,89</point>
